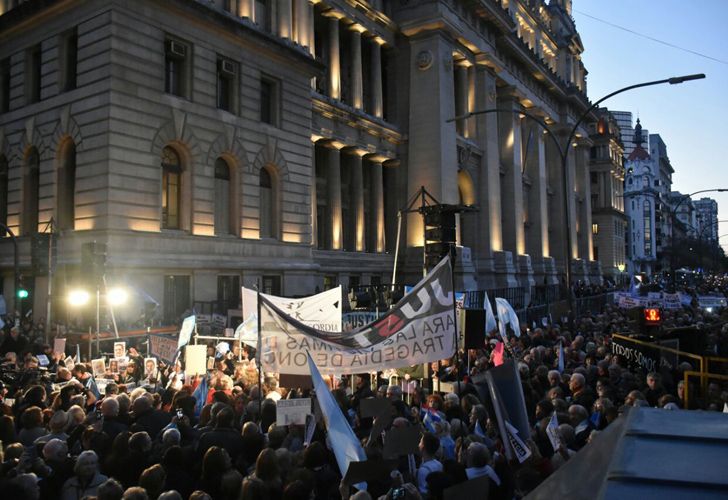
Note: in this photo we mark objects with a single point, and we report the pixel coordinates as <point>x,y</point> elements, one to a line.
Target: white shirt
<point>274,395</point>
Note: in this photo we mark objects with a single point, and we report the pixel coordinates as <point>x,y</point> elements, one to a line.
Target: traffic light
<point>440,234</point>
<point>21,292</point>
<point>39,253</point>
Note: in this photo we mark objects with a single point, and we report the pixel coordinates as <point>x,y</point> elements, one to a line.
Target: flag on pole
<point>200,395</point>
<point>78,353</point>
<point>507,316</point>
<point>520,449</point>
<point>633,289</point>
<point>346,446</point>
<point>561,357</point>
<point>498,353</point>
<point>490,324</point>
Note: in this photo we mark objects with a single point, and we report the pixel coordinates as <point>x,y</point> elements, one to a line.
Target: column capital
<point>333,14</point>
<point>356,28</point>
<point>355,151</point>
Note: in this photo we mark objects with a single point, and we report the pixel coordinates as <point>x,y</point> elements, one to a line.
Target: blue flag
<point>346,446</point>
<point>200,395</point>
<point>429,419</point>
<point>561,357</point>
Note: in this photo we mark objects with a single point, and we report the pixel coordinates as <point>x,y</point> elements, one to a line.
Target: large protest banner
<point>641,355</point>
<point>321,311</point>
<point>420,329</point>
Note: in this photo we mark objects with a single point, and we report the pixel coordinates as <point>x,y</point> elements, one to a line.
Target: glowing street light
<point>78,298</point>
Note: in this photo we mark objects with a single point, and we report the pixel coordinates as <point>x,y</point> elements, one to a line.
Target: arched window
<point>268,226</point>
<point>31,188</point>
<point>223,198</point>
<point>3,190</point>
<point>67,186</point>
<point>171,188</point>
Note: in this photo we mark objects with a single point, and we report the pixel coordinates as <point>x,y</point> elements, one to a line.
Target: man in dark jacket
<point>223,435</point>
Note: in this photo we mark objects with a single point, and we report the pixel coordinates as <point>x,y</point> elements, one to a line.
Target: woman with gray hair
<point>87,480</point>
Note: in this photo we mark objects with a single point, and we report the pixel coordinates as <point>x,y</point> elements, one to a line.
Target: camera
<point>399,493</point>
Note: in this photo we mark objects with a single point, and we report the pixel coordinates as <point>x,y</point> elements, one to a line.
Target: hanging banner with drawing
<point>321,311</point>
<point>420,329</point>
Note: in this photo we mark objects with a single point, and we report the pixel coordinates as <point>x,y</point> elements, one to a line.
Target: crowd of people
<point>164,435</point>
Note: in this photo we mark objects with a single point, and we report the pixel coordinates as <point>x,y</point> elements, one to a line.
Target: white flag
<point>490,323</point>
<point>506,315</point>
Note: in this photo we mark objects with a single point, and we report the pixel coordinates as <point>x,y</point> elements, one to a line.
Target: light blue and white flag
<point>490,323</point>
<point>552,431</point>
<point>507,316</point>
<point>185,333</point>
<point>346,446</point>
<point>561,357</point>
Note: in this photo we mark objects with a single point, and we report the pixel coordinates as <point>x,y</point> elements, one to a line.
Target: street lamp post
<point>564,153</point>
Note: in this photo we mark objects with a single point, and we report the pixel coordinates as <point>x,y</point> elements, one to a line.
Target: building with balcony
<point>214,144</point>
<point>609,222</point>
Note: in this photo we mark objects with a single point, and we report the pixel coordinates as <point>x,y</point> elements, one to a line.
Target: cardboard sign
<point>292,411</point>
<point>473,488</point>
<point>164,348</point>
<point>196,360</point>
<point>59,345</point>
<point>150,368</point>
<point>119,349</point>
<point>98,366</point>
<point>402,441</point>
<point>369,470</point>
<point>101,384</point>
<point>373,407</point>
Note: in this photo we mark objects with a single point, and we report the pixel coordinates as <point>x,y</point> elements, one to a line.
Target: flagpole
<point>260,358</point>
<point>454,314</point>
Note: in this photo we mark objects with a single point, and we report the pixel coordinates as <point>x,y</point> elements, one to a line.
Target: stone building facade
<point>609,222</point>
<point>213,144</point>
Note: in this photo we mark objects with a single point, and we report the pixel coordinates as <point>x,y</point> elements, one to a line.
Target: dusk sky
<point>688,117</point>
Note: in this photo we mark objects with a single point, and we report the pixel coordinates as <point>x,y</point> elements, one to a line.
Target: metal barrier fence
<point>704,378</point>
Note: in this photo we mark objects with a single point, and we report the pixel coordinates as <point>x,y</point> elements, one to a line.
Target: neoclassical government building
<point>211,144</point>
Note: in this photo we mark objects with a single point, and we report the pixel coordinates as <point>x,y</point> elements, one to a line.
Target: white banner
<point>321,311</point>
<point>671,301</point>
<point>420,329</point>
<point>711,301</point>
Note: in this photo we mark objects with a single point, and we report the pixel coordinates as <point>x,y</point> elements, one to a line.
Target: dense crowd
<point>156,434</point>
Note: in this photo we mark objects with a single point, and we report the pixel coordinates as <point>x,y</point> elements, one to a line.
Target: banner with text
<point>321,311</point>
<point>420,329</point>
<point>164,348</point>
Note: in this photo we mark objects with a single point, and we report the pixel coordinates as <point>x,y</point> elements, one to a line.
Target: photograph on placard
<point>122,364</point>
<point>119,349</point>
<point>98,366</point>
<point>114,365</point>
<point>150,368</point>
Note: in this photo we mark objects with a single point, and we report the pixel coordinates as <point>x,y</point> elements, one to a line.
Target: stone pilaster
<point>357,85</point>
<point>285,18</point>
<point>334,69</point>
<point>377,206</point>
<point>511,154</point>
<point>333,193</point>
<point>376,79</point>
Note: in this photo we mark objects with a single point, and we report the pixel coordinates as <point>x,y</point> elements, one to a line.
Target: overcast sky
<point>689,117</point>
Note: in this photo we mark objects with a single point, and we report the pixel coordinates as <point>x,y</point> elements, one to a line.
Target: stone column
<point>376,79</point>
<point>333,193</point>
<point>285,16</point>
<point>511,154</point>
<point>357,85</point>
<point>537,245</point>
<point>461,96</point>
<point>245,8</point>
<point>334,63</point>
<point>300,23</point>
<point>310,22</point>
<point>377,206</point>
<point>585,218</point>
<point>314,205</point>
<point>432,145</point>
<point>357,193</point>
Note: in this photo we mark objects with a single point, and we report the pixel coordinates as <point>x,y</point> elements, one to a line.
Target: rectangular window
<point>68,60</point>
<point>228,293</point>
<point>227,78</point>
<point>32,75</point>
<point>272,285</point>
<point>269,101</point>
<point>5,85</point>
<point>176,298</point>
<point>177,65</point>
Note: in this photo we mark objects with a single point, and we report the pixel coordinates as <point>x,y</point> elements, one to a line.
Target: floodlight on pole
<point>78,298</point>
<point>117,296</point>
